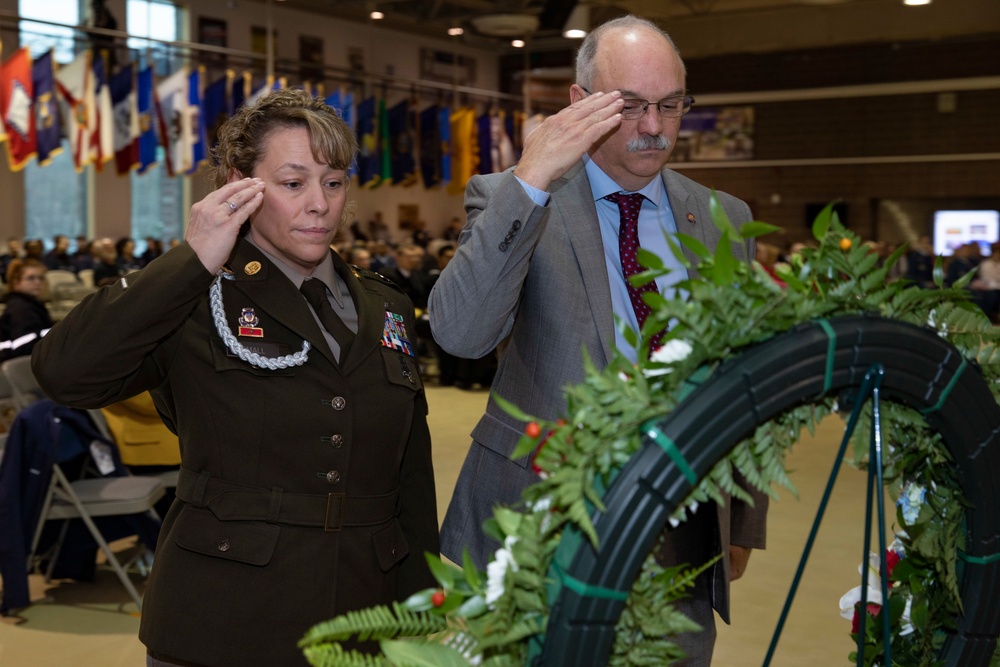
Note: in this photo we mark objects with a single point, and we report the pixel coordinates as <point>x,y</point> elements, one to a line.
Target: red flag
<point>16,91</point>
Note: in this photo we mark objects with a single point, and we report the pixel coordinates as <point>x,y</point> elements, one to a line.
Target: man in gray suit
<point>538,273</point>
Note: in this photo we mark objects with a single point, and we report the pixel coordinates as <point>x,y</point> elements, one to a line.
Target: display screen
<point>955,228</point>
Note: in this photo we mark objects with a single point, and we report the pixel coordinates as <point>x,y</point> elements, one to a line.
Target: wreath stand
<point>911,365</point>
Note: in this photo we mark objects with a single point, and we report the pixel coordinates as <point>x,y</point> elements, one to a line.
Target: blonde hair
<point>242,138</point>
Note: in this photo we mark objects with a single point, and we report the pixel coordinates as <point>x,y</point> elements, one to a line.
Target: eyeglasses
<point>669,107</point>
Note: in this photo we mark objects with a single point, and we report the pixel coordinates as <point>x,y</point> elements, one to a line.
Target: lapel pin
<point>252,268</point>
<point>249,322</point>
<point>690,218</point>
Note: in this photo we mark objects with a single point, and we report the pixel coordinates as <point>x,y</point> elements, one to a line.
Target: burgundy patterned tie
<point>628,246</point>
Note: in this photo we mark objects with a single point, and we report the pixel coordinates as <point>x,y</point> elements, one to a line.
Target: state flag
<point>174,121</point>
<point>125,112</point>
<point>16,92</point>
<point>148,141</point>
<point>102,141</point>
<point>75,83</point>
<point>48,128</point>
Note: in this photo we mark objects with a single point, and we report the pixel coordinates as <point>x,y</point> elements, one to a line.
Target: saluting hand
<point>216,220</point>
<point>561,140</point>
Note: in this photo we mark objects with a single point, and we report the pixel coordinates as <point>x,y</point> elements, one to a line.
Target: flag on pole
<point>403,165</point>
<point>484,134</point>
<point>216,107</point>
<point>76,88</point>
<point>198,135</point>
<point>173,116</point>
<point>148,140</point>
<point>48,129</point>
<point>369,174</point>
<point>241,86</point>
<point>464,146</point>
<point>126,120</point>
<point>430,147</point>
<point>444,129</point>
<point>102,141</point>
<point>18,117</point>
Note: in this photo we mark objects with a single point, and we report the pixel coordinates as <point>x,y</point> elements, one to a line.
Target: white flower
<point>673,351</point>
<point>911,499</point>
<point>496,570</point>
<point>852,597</point>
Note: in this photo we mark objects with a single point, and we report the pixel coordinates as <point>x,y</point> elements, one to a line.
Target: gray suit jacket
<point>532,281</point>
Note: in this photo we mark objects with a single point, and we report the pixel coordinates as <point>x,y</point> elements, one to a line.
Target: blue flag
<point>199,136</point>
<point>430,147</point>
<point>148,140</point>
<point>216,109</point>
<point>444,129</point>
<point>47,125</point>
<point>401,144</point>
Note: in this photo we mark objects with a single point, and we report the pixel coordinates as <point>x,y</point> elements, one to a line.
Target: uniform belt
<point>333,511</point>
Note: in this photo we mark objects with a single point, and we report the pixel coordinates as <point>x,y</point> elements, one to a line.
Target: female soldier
<point>25,318</point>
<point>306,485</point>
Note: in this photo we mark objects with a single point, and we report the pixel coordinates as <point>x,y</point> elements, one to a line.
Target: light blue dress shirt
<point>656,222</point>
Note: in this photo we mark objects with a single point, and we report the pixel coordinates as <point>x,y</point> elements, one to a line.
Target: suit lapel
<point>691,217</point>
<point>579,215</point>
<point>272,292</point>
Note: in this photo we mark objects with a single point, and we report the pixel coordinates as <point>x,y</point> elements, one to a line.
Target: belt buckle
<point>334,513</point>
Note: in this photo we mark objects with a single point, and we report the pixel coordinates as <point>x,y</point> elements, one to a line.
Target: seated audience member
<point>453,230</point>
<point>82,258</point>
<point>58,259</point>
<point>106,269</point>
<point>35,248</point>
<point>381,257</point>
<point>25,318</point>
<point>14,251</point>
<point>360,258</point>
<point>154,248</point>
<point>125,255</point>
<point>420,236</point>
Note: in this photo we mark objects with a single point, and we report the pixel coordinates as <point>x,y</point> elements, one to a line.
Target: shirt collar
<point>602,185</point>
<point>324,272</point>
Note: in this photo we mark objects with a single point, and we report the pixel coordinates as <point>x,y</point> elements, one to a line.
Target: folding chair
<point>44,440</point>
<point>23,384</point>
<point>86,499</point>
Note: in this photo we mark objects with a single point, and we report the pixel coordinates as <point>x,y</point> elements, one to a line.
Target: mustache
<point>645,142</point>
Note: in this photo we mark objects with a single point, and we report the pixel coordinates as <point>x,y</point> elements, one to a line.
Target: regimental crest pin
<point>394,334</point>
<point>690,218</point>
<point>248,324</point>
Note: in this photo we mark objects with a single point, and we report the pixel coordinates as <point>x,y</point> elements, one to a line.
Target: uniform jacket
<point>533,280</point>
<point>25,319</point>
<point>304,492</point>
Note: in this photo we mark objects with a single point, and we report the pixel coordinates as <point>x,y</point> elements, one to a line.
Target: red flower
<point>873,610</point>
<point>891,559</point>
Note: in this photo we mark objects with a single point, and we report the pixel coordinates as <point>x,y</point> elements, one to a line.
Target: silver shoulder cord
<point>237,348</point>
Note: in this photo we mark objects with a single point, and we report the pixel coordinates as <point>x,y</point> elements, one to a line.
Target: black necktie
<point>315,293</point>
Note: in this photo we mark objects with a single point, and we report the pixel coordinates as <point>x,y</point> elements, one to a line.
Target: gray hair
<point>586,57</point>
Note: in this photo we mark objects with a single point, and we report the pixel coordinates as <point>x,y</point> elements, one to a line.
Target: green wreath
<point>551,575</point>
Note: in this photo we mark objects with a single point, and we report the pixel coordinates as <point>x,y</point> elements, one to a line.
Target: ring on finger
<point>231,205</point>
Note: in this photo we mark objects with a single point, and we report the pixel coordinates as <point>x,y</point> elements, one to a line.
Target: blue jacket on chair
<point>42,434</point>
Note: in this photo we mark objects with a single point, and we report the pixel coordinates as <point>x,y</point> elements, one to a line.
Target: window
<point>47,215</point>
<point>158,201</point>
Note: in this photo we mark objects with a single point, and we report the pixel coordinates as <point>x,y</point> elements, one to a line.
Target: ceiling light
<point>517,43</point>
<point>376,15</point>
<point>916,3</point>
<point>456,31</point>
<point>578,22</point>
